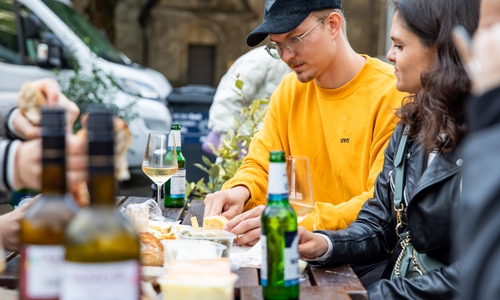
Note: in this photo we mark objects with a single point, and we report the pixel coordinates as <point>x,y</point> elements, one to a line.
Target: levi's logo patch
<point>345,140</point>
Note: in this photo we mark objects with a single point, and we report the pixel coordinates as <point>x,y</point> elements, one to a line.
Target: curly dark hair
<point>436,113</point>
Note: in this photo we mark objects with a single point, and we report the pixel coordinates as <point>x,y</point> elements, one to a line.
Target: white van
<point>38,36</point>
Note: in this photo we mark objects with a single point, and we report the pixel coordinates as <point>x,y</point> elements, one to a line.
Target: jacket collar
<point>442,167</point>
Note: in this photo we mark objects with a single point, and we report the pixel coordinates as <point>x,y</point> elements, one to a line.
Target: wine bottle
<point>102,247</point>
<point>175,188</point>
<point>279,273</point>
<point>42,228</point>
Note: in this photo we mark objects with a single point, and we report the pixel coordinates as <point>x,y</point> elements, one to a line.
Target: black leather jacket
<point>433,193</point>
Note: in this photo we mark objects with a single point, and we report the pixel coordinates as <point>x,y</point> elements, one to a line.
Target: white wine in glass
<point>300,192</point>
<point>160,160</point>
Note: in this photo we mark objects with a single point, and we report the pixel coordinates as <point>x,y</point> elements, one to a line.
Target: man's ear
<point>334,21</point>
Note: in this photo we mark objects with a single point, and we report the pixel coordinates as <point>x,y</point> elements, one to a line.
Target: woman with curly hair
<point>409,219</point>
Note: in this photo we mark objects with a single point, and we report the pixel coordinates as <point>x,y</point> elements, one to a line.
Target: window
<point>9,44</point>
<point>201,64</point>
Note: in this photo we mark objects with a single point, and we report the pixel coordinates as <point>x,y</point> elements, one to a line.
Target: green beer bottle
<point>279,273</point>
<point>175,187</point>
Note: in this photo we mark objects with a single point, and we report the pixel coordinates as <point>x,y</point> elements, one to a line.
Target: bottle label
<point>277,188</point>
<point>263,265</point>
<point>290,257</point>
<point>177,134</point>
<point>100,281</point>
<point>292,273</point>
<point>178,184</point>
<point>40,270</point>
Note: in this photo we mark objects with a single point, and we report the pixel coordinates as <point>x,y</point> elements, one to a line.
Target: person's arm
<point>435,284</point>
<point>478,221</point>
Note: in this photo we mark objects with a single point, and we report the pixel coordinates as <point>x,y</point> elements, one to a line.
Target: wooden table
<point>338,282</point>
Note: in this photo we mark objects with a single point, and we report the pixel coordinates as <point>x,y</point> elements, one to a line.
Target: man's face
<point>311,61</point>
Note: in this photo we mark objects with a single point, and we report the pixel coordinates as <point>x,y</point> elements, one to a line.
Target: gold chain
<point>404,243</point>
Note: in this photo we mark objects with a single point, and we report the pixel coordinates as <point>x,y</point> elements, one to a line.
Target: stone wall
<point>173,25</point>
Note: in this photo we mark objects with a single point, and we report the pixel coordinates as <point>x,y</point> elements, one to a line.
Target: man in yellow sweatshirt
<point>338,110</point>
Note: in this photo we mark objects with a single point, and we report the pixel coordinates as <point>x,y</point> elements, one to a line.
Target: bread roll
<point>31,100</point>
<point>152,252</point>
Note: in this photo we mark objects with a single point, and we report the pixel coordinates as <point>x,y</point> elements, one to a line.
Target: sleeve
<point>8,148</point>
<point>227,104</point>
<point>6,111</point>
<point>484,111</point>
<point>253,173</point>
<point>436,284</point>
<point>334,217</point>
<point>478,220</point>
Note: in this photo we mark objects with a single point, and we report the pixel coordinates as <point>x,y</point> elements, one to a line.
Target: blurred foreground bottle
<point>102,247</point>
<point>279,273</point>
<point>175,187</point>
<point>42,229</point>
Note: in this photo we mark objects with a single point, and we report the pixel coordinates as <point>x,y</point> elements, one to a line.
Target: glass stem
<point>158,194</point>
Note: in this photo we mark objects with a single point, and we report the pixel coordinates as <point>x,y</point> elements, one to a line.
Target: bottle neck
<point>101,182</point>
<point>53,165</point>
<point>277,189</point>
<point>177,137</point>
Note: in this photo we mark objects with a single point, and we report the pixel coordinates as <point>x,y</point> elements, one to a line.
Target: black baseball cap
<point>282,16</point>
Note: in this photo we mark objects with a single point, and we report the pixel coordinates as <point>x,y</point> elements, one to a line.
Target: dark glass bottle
<point>175,187</point>
<point>42,228</point>
<point>102,247</point>
<point>280,269</point>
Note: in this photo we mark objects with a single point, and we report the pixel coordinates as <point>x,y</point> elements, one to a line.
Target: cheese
<point>194,222</point>
<point>214,223</point>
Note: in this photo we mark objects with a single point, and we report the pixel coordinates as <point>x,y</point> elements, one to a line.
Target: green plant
<point>94,89</point>
<point>234,147</point>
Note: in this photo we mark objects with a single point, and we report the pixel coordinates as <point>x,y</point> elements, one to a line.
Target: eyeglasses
<point>294,44</point>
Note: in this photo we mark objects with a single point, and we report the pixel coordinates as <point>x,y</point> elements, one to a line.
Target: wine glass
<point>160,159</point>
<point>300,193</point>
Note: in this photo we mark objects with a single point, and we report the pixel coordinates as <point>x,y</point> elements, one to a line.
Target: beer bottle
<point>42,228</point>
<point>279,273</point>
<point>102,247</point>
<point>22,196</point>
<point>175,187</point>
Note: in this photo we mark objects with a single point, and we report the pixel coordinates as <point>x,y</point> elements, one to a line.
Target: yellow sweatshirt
<point>344,133</point>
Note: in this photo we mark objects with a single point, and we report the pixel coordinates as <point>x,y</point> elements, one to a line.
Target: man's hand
<point>311,245</point>
<point>246,226</point>
<point>9,227</point>
<point>28,163</point>
<point>54,98</point>
<point>229,203</point>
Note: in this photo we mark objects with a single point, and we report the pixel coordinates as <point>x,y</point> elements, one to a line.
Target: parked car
<point>40,36</point>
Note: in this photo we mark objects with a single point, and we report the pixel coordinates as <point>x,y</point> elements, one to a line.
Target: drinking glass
<point>160,159</point>
<point>300,192</point>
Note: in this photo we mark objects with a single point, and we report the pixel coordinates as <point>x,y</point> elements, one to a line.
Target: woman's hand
<point>311,245</point>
